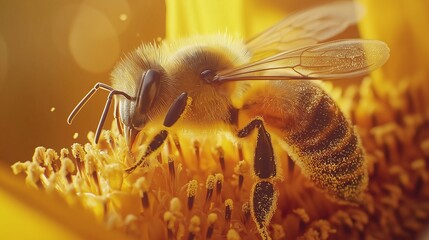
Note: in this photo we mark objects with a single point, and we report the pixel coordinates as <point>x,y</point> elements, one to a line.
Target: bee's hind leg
<point>263,195</point>
<point>174,112</point>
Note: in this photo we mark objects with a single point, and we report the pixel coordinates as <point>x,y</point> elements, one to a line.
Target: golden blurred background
<point>53,52</point>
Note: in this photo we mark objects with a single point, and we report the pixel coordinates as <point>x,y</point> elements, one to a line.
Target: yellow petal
<point>30,214</point>
<point>239,18</point>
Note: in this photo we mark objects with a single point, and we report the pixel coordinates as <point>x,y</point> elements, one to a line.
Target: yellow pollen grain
<point>170,219</point>
<point>194,225</point>
<point>19,167</point>
<point>232,235</point>
<point>50,156</point>
<point>212,218</point>
<point>219,177</point>
<point>75,135</point>
<point>242,167</point>
<point>175,205</point>
<point>168,216</point>
<point>52,109</point>
<point>39,155</point>
<point>229,203</point>
<point>78,151</point>
<point>192,188</point>
<point>211,181</point>
<point>64,152</point>
<point>34,172</point>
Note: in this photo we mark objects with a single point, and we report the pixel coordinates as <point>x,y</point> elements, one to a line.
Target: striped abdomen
<point>319,137</point>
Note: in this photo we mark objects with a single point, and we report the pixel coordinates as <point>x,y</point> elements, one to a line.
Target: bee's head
<point>134,113</point>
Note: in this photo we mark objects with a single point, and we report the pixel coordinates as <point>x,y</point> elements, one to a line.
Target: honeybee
<point>209,81</point>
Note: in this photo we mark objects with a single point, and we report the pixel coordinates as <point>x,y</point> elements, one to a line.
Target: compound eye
<point>148,90</point>
<point>208,75</point>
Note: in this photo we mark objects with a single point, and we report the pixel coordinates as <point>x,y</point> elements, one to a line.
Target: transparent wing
<point>330,60</point>
<point>305,28</point>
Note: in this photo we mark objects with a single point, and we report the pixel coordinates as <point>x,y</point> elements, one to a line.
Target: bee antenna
<point>85,99</point>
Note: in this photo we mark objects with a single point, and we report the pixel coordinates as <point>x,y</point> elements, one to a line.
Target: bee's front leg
<point>263,195</point>
<point>174,112</point>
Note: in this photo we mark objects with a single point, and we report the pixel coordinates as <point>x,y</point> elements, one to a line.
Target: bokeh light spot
<point>123,17</point>
<point>93,41</point>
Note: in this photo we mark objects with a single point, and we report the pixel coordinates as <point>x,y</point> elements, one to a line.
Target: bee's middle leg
<point>263,195</point>
<point>174,112</point>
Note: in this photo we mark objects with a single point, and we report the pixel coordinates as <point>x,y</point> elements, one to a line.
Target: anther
<point>169,219</point>
<point>67,169</point>
<point>91,170</point>
<point>64,153</point>
<point>232,234</point>
<point>171,169</point>
<point>78,154</point>
<point>191,193</point>
<point>194,227</point>
<point>229,205</point>
<point>211,220</point>
<point>142,186</point>
<point>221,155</point>
<point>241,169</point>
<point>210,184</point>
<point>20,167</point>
<point>34,175</point>
<point>51,158</point>
<point>245,209</point>
<point>219,183</point>
<point>39,155</point>
<point>175,205</point>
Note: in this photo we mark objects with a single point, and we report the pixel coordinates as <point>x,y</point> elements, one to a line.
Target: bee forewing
<point>305,28</point>
<point>331,60</point>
